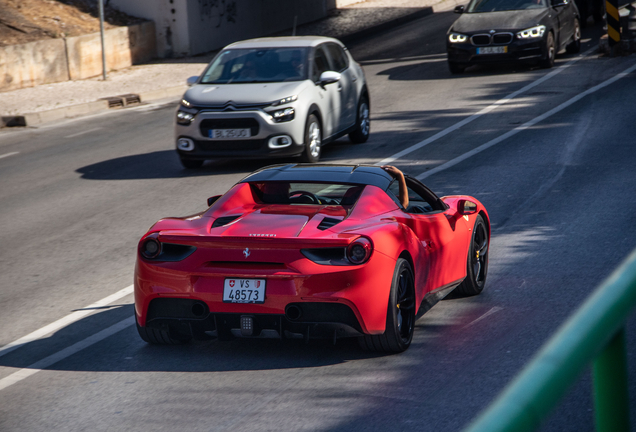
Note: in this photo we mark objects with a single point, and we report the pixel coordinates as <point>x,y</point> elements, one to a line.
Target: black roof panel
<point>332,173</point>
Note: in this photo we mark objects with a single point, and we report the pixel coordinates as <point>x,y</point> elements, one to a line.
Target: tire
<point>400,315</point>
<point>161,337</point>
<point>550,52</point>
<point>191,163</point>
<point>575,46</point>
<point>313,140</point>
<point>477,261</point>
<point>363,122</point>
<point>455,68</point>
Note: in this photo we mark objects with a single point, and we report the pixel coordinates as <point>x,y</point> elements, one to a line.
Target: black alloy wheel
<point>477,262</point>
<point>550,52</point>
<point>400,319</point>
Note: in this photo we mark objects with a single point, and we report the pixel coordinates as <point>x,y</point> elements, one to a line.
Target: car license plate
<point>493,50</point>
<point>244,291</point>
<point>230,133</point>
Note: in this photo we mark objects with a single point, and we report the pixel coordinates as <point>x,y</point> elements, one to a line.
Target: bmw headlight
<point>283,115</point>
<point>184,117</point>
<point>457,38</point>
<point>186,103</point>
<point>284,101</point>
<point>533,32</point>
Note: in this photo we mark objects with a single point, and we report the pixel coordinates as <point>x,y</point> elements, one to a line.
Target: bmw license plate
<point>493,50</point>
<point>229,133</point>
<point>244,291</point>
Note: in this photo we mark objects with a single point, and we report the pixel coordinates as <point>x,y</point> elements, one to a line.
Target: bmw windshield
<point>477,6</point>
<point>262,65</point>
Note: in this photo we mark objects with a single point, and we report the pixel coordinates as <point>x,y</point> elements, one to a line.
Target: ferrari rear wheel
<point>400,316</point>
<point>477,263</point>
<point>162,337</point>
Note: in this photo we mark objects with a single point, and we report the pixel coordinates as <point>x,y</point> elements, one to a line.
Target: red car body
<point>301,252</point>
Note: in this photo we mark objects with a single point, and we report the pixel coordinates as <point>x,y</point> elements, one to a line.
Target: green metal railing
<point>595,333</point>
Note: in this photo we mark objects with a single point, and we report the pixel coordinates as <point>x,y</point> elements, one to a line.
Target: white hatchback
<point>273,97</point>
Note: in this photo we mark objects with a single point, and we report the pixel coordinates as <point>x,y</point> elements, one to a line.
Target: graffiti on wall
<point>221,10</point>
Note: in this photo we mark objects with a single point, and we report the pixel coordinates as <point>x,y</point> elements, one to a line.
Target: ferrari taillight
<point>151,248</point>
<point>359,251</point>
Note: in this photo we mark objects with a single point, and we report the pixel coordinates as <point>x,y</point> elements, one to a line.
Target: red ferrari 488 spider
<point>310,251</point>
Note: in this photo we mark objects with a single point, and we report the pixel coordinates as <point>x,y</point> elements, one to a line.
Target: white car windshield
<point>476,6</point>
<point>236,66</point>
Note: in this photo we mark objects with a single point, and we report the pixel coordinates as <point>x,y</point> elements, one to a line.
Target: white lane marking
<point>490,312</point>
<point>8,154</point>
<point>83,133</point>
<point>63,322</point>
<point>486,110</point>
<point>525,126</point>
<point>66,352</point>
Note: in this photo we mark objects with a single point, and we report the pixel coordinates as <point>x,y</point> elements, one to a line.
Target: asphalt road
<point>549,152</point>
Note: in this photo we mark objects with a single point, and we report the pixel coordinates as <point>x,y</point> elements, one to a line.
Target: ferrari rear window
<point>306,193</point>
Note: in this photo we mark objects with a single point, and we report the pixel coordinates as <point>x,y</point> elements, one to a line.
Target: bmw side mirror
<point>213,199</point>
<point>192,80</point>
<point>329,77</point>
<point>465,207</point>
<point>459,9</point>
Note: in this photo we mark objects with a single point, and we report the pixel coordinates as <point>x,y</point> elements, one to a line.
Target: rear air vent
<point>328,223</point>
<point>224,220</point>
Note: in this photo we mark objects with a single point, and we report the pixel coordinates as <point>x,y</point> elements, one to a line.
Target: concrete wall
<point>80,57</point>
<point>213,25</point>
<point>31,64</point>
<point>189,27</point>
<point>125,46</point>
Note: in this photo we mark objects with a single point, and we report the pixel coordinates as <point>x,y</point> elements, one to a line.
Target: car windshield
<point>476,6</point>
<point>236,66</point>
<point>276,192</point>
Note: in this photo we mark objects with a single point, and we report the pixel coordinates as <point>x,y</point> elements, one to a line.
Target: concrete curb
<point>38,118</point>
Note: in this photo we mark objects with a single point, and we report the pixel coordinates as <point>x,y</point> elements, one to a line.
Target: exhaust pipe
<point>199,309</point>
<point>293,312</point>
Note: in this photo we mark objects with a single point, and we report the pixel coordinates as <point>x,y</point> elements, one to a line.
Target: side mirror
<point>192,81</point>
<point>329,77</point>
<point>459,9</point>
<point>213,199</point>
<point>465,207</point>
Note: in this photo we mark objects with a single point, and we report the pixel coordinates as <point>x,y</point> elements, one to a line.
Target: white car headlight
<point>286,100</point>
<point>533,32</point>
<point>457,38</point>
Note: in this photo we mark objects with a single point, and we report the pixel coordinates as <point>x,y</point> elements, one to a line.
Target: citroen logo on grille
<point>246,252</point>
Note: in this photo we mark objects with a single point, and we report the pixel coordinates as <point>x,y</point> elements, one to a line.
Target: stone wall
<point>73,58</point>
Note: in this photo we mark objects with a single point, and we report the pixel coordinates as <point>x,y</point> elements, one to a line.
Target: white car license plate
<point>493,50</point>
<point>244,291</point>
<point>230,133</point>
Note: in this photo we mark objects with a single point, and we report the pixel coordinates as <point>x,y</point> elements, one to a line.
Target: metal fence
<point>595,333</point>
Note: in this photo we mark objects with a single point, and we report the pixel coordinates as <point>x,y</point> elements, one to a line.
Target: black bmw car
<point>508,31</point>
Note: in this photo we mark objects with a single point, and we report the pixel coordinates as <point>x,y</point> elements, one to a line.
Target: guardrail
<point>596,332</point>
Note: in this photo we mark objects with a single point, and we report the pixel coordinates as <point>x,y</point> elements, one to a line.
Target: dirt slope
<point>23,21</point>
